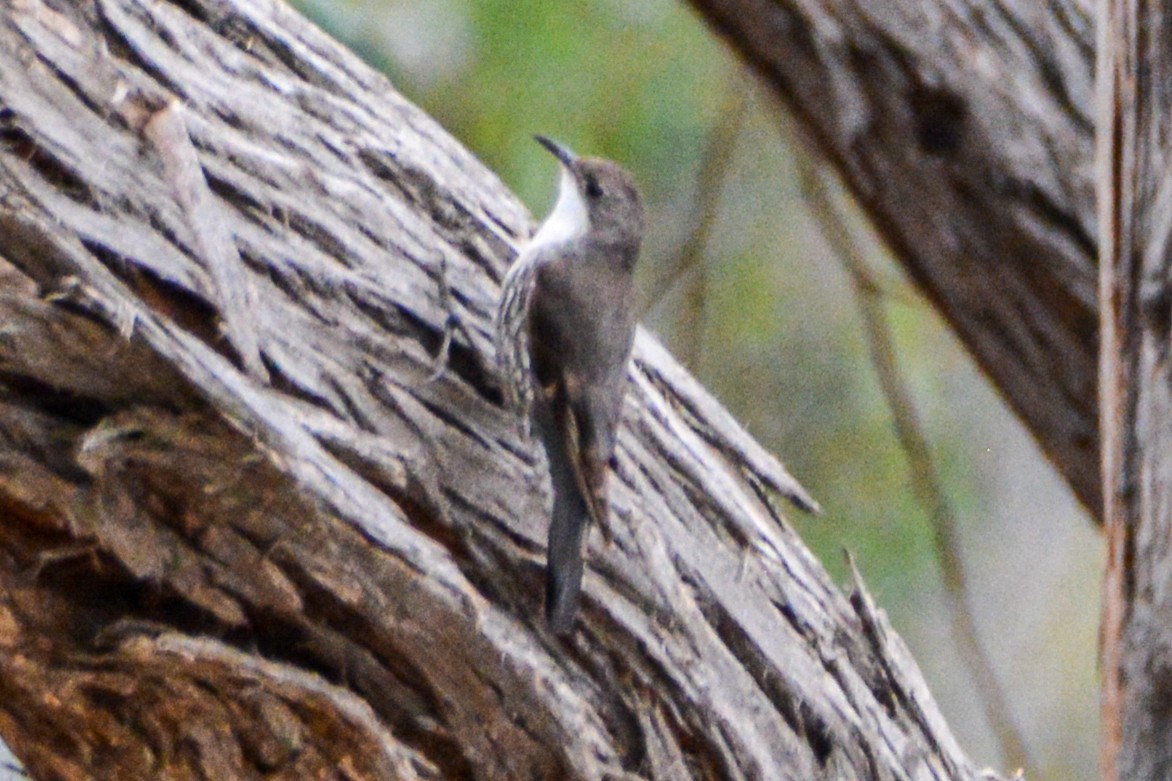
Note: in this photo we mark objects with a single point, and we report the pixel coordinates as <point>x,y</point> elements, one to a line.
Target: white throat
<point>569,218</point>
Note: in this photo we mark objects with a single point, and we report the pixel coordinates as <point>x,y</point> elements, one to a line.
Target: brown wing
<point>592,419</point>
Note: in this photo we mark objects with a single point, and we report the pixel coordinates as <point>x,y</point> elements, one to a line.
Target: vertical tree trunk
<point>1135,246</point>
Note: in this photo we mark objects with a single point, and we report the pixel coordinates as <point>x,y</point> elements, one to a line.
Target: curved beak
<point>563,154</point>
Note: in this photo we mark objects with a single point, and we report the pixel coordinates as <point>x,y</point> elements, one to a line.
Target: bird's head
<point>598,193</point>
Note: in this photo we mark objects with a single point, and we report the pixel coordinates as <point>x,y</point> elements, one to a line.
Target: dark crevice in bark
<point>61,404</point>
<point>167,298</point>
<point>54,171</point>
<point>126,51</point>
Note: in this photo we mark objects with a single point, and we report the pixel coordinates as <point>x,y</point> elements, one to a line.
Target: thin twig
<point>925,480</point>
<point>452,323</point>
<point>689,261</point>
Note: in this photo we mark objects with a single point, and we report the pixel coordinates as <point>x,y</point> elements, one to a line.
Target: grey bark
<point>10,767</point>
<point>965,130</point>
<point>249,530</point>
<point>1136,246</point>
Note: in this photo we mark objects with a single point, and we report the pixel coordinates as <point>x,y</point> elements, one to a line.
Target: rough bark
<point>249,530</point>
<point>1135,194</point>
<point>964,129</point>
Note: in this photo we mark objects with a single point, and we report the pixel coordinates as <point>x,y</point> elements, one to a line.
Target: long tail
<point>569,521</point>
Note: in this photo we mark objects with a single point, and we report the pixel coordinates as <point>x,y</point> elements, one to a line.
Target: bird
<point>564,330</point>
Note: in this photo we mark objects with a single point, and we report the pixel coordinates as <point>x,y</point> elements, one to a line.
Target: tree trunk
<point>263,511</point>
<point>965,131</point>
<point>1136,301</point>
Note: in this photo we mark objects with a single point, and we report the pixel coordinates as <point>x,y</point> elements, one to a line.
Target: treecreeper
<point>564,330</point>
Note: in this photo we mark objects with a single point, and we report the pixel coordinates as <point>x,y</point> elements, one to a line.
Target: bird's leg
<point>452,323</point>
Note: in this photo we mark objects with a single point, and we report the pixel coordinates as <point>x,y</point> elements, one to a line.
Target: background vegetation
<point>738,279</point>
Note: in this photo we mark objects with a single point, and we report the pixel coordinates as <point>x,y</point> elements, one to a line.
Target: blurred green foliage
<point>768,312</point>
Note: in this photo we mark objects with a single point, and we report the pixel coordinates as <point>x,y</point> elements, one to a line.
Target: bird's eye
<point>593,189</point>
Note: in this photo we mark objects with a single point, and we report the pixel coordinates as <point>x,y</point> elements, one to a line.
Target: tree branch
<point>965,133</point>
